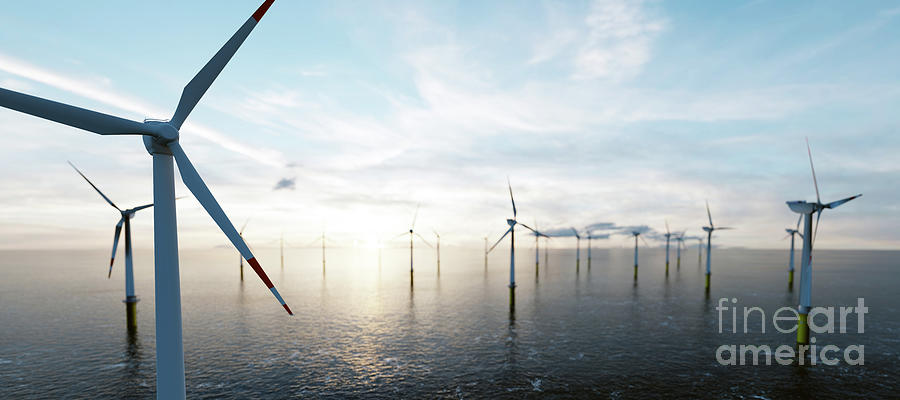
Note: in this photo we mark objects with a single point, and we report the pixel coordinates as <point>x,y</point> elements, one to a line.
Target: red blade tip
<point>262,10</point>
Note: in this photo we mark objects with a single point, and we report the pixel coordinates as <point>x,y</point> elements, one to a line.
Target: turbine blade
<point>529,228</point>
<point>94,186</point>
<point>511,197</point>
<point>575,232</point>
<point>835,204</point>
<point>112,258</point>
<point>815,233</point>
<point>400,235</point>
<point>424,240</point>
<point>815,182</point>
<point>501,239</point>
<point>798,222</point>
<point>709,214</point>
<point>246,221</point>
<point>198,86</point>
<point>415,216</point>
<point>76,117</point>
<point>642,239</point>
<point>195,184</point>
<point>142,207</point>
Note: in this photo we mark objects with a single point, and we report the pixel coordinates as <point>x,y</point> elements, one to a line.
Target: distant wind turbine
<point>709,231</point>
<point>126,216</point>
<point>512,247</point>
<point>636,234</point>
<point>591,236</point>
<point>806,210</point>
<point>792,233</point>
<point>438,247</point>
<point>413,233</point>
<point>161,139</point>
<point>577,249</point>
<point>241,257</point>
<point>668,236</point>
<point>679,243</point>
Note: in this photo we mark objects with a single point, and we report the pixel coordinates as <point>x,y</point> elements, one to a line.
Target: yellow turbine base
<point>707,281</point>
<point>802,330</point>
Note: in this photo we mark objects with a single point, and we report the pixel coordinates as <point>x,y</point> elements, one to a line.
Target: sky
<point>344,116</point>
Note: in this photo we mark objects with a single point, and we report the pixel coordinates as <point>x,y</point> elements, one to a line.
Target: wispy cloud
<point>286,184</point>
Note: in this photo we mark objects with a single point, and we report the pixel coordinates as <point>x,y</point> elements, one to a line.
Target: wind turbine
<point>577,249</point>
<point>709,231</point>
<point>125,219</point>
<point>241,257</point>
<point>699,252</point>
<point>161,140</point>
<point>679,243</point>
<point>486,251</point>
<point>590,236</point>
<point>806,210</point>
<point>636,234</point>
<point>438,248</point>
<point>792,233</point>
<point>512,247</point>
<point>413,233</point>
<point>668,236</point>
<point>322,239</point>
<point>537,246</point>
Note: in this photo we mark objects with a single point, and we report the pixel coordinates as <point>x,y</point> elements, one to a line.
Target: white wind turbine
<point>792,232</point>
<point>240,256</point>
<point>577,249</point>
<point>668,236</point>
<point>679,243</point>
<point>806,210</point>
<point>125,219</point>
<point>438,248</point>
<point>709,231</point>
<point>512,246</point>
<point>412,234</point>
<point>591,236</point>
<point>161,140</point>
<point>636,234</point>
<point>537,247</point>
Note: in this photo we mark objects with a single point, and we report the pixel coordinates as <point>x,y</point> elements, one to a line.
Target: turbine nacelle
<point>804,207</point>
<point>511,222</point>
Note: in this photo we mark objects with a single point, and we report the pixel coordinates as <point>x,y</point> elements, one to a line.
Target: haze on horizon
<point>343,117</point>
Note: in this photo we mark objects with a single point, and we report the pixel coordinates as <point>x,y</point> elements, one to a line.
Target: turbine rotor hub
<point>511,222</point>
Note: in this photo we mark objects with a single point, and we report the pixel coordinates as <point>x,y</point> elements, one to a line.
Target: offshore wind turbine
<point>412,234</point>
<point>792,233</point>
<point>161,139</point>
<point>709,231</point>
<point>537,246</point>
<point>438,248</point>
<point>590,236</point>
<point>512,247</point>
<point>577,249</point>
<point>679,243</point>
<point>241,257</point>
<point>126,215</point>
<point>806,210</point>
<point>636,234</point>
<point>323,240</point>
<point>699,252</point>
<point>668,236</point>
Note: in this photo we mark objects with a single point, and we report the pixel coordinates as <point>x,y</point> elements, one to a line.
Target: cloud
<point>620,34</point>
<point>136,107</point>
<point>286,183</point>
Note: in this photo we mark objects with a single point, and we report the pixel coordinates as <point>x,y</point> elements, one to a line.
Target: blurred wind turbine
<point>537,246</point>
<point>512,247</point>
<point>577,249</point>
<point>591,236</point>
<point>792,233</point>
<point>709,231</point>
<point>241,257</point>
<point>806,210</point>
<point>126,216</point>
<point>679,243</point>
<point>636,234</point>
<point>161,138</point>
<point>412,233</point>
<point>438,247</point>
<point>668,236</point>
<point>323,240</point>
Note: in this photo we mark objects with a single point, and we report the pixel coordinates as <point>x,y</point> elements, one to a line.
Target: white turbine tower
<point>438,248</point>
<point>792,232</point>
<point>412,234</point>
<point>636,234</point>
<point>512,247</point>
<point>668,236</point>
<point>577,249</point>
<point>709,231</point>
<point>323,241</point>
<point>240,256</point>
<point>679,243</point>
<point>125,219</point>
<point>161,140</point>
<point>806,210</point>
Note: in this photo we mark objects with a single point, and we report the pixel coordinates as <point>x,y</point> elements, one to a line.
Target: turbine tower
<point>679,243</point>
<point>412,234</point>
<point>125,219</point>
<point>636,234</point>
<point>438,247</point>
<point>577,249</point>
<point>161,139</point>
<point>668,236</point>
<point>512,247</point>
<point>806,210</point>
<point>709,231</point>
<point>792,233</point>
<point>240,256</point>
